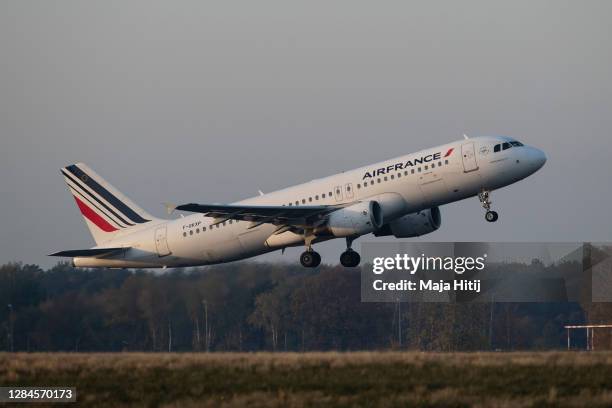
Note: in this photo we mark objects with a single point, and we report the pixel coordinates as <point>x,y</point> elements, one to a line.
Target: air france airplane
<point>399,197</point>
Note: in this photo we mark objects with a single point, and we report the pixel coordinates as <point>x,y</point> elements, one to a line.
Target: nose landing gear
<point>490,215</point>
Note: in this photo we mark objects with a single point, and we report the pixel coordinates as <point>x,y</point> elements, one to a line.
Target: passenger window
<point>358,186</point>
<point>426,167</point>
<point>297,203</point>
<point>184,234</point>
<point>445,161</point>
<point>385,178</point>
<point>378,181</point>
<point>323,195</point>
<point>303,201</point>
<point>310,199</point>
<point>197,230</point>
<point>392,177</point>
<point>419,169</point>
<point>496,148</point>
<point>411,171</point>
<point>330,194</point>
<point>203,229</point>
<point>365,183</point>
<point>399,175</point>
<point>191,232</point>
<point>506,146</point>
<point>440,164</point>
<point>406,172</point>
<point>433,165</point>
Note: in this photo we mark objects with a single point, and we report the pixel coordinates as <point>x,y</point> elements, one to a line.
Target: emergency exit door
<point>338,193</point>
<point>348,191</point>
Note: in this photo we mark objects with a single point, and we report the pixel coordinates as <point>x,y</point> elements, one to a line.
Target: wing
<point>88,252</point>
<point>285,217</point>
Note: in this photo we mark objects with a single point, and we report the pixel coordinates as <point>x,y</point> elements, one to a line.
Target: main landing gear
<point>349,258</point>
<point>310,258</point>
<point>490,215</point>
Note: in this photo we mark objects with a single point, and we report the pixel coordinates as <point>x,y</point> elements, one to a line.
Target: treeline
<point>248,306</point>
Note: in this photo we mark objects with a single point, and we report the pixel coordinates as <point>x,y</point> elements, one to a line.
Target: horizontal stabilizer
<point>87,252</point>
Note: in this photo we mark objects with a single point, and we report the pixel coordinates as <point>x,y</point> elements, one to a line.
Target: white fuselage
<point>402,185</point>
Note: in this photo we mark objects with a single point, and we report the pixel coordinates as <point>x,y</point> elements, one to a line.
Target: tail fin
<point>106,211</point>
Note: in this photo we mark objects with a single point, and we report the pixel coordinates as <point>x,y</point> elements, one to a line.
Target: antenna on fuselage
<point>465,136</point>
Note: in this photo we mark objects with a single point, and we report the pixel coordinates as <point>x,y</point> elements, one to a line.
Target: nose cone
<point>537,158</point>
<point>534,159</point>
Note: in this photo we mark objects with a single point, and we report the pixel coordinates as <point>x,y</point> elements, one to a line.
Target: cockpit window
<point>506,145</point>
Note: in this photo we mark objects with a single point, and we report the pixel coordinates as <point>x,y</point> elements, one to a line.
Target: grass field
<point>313,379</point>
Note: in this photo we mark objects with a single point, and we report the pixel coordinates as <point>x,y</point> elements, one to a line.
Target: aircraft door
<point>468,154</point>
<point>161,241</point>
<point>338,193</point>
<point>348,190</point>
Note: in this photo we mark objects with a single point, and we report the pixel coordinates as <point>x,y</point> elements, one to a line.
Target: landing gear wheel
<point>310,259</point>
<point>484,198</point>
<point>350,258</point>
<point>491,216</point>
<point>317,258</point>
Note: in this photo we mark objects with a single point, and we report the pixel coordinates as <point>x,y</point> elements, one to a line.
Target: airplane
<point>399,197</point>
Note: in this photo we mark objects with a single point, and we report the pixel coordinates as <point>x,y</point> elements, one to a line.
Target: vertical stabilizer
<point>106,211</point>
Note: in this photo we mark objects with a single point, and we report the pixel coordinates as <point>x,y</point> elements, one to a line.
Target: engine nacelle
<point>413,225</point>
<point>358,219</point>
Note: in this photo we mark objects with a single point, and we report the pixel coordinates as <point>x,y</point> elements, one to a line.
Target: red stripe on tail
<point>93,217</point>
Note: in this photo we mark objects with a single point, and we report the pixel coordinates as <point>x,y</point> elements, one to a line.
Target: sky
<point>210,101</point>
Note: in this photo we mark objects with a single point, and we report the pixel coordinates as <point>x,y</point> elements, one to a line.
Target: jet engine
<point>357,219</point>
<point>412,225</point>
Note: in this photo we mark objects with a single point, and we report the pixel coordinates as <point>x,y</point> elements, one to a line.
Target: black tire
<point>356,259</point>
<point>317,259</point>
<point>491,216</point>
<point>350,259</point>
<point>310,259</point>
<point>345,259</point>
